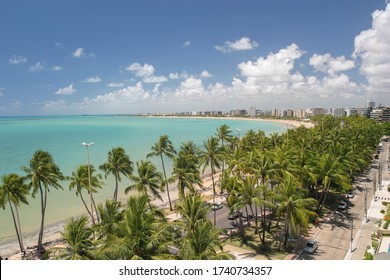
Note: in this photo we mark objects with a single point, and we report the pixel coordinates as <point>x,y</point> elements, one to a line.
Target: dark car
<point>235,215</point>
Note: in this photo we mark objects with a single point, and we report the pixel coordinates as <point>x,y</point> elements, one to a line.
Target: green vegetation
<point>280,183</point>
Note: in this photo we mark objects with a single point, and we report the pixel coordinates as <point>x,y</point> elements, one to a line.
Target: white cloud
<point>145,70</point>
<point>372,46</point>
<point>59,45</point>
<point>275,67</point>
<point>327,64</point>
<point>69,90</point>
<point>205,74</point>
<point>242,44</point>
<point>94,79</point>
<point>115,85</point>
<point>176,76</point>
<point>37,67</point>
<point>80,52</point>
<point>15,59</point>
<point>56,68</point>
<point>186,44</point>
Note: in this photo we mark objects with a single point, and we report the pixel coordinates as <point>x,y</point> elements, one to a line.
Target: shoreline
<point>292,123</point>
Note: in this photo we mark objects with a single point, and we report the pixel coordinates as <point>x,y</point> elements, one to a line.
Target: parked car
<point>216,206</point>
<point>311,246</point>
<point>350,194</point>
<point>342,205</point>
<point>235,215</point>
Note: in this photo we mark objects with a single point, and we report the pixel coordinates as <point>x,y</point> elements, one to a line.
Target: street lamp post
<point>351,221</point>
<point>89,178</point>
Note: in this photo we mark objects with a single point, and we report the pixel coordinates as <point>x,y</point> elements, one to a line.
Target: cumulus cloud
<point>146,72</point>
<point>15,59</point>
<point>69,90</point>
<point>275,67</point>
<point>328,64</point>
<point>372,47</point>
<point>80,52</point>
<point>205,74</point>
<point>242,44</point>
<point>42,66</point>
<point>176,75</point>
<point>94,79</point>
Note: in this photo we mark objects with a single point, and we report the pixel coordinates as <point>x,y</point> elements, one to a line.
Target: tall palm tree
<point>80,181</point>
<point>148,179</point>
<point>203,243</point>
<point>212,157</point>
<point>294,205</point>
<point>224,134</point>
<point>118,162</point>
<point>78,239</point>
<point>164,147</point>
<point>43,173</point>
<point>14,191</point>
<point>186,173</point>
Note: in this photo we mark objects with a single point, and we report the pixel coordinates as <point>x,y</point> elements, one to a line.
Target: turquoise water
<point>62,136</point>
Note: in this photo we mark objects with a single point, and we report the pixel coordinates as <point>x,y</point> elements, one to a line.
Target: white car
<point>350,194</point>
<point>216,206</point>
<point>342,205</point>
<point>311,246</point>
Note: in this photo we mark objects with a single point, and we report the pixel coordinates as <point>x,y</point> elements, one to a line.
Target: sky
<point>146,56</point>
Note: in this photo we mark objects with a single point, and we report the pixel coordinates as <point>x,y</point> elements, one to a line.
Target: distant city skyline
<point>145,56</point>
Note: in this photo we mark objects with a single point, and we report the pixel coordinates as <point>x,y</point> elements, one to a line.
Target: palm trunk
<point>20,228</point>
<point>212,179</point>
<point>43,210</point>
<point>166,183</point>
<point>116,189</point>
<point>85,205</point>
<point>16,228</point>
<point>96,211</point>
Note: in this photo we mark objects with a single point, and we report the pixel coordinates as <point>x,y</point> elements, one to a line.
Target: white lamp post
<point>89,179</point>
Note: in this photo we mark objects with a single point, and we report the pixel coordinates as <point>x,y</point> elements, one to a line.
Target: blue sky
<point>122,56</point>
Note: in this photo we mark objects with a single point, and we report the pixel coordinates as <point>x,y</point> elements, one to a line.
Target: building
<point>381,114</point>
<point>338,112</point>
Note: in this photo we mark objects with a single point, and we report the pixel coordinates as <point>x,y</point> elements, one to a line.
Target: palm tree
<point>80,181</point>
<point>203,243</point>
<point>163,147</point>
<point>192,210</point>
<point>144,233</point>
<point>14,191</point>
<point>212,157</point>
<point>224,134</point>
<point>186,173</point>
<point>118,162</point>
<point>147,180</point>
<point>294,205</point>
<point>111,216</point>
<point>42,174</point>
<point>78,240</point>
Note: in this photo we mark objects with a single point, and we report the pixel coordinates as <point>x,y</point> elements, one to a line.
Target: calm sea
<point>62,136</point>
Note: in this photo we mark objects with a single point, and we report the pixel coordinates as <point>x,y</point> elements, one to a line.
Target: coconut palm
<point>203,243</point>
<point>192,210</point>
<point>224,134</point>
<point>14,191</point>
<point>118,163</point>
<point>78,241</point>
<point>148,179</point>
<point>212,157</point>
<point>186,174</point>
<point>144,233</point>
<point>79,180</point>
<point>42,174</point>
<point>111,216</point>
<point>294,205</point>
<point>164,147</point>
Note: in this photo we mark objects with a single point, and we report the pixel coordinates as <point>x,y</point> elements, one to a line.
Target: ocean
<point>62,137</point>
